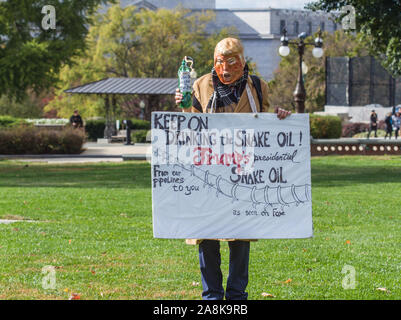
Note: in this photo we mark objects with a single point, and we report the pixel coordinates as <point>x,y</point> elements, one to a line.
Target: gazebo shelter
<point>109,88</point>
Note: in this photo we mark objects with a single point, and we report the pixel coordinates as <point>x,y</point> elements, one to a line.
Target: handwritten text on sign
<point>231,176</point>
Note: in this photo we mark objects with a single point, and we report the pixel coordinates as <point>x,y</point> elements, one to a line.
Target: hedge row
<point>322,127</point>
<point>139,136</point>
<point>351,129</point>
<point>28,140</point>
<point>95,128</point>
<point>10,122</point>
<point>325,127</point>
<point>138,124</point>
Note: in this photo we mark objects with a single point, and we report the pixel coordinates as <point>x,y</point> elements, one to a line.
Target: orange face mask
<point>228,68</point>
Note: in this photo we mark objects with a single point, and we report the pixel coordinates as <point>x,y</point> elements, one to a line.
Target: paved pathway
<point>113,149</point>
<point>94,152</point>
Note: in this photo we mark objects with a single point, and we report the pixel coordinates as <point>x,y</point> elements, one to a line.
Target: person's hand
<point>282,113</point>
<point>178,96</point>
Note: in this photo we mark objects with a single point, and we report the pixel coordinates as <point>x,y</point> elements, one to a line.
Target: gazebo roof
<point>154,86</point>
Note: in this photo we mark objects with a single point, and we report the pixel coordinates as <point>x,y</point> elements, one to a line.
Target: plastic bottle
<point>184,83</point>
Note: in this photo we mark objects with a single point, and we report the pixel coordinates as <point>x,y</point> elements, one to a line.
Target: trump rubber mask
<point>229,60</point>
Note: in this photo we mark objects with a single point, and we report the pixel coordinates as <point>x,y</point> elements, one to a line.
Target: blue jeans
<point>212,278</point>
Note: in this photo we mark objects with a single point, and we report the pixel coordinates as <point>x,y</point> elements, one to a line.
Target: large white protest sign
<point>219,176</point>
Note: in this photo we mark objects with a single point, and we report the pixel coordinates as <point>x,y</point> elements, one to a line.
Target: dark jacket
<point>389,123</point>
<point>373,119</point>
<point>76,119</point>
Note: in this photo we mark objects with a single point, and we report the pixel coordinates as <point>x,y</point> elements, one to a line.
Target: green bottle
<point>184,83</point>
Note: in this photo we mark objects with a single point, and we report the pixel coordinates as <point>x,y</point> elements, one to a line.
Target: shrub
<point>39,141</point>
<point>325,127</point>
<point>138,124</point>
<point>95,128</point>
<point>9,122</point>
<point>351,129</point>
<point>139,136</point>
<point>71,141</point>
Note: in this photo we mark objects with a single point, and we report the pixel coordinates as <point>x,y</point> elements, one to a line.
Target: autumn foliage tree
<point>127,42</point>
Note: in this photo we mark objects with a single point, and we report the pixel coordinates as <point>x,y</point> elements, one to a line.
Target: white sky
<point>284,4</point>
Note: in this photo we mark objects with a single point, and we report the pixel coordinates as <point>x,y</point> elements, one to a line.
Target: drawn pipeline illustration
<point>267,196</point>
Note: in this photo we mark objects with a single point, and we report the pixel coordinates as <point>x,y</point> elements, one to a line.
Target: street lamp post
<point>317,52</point>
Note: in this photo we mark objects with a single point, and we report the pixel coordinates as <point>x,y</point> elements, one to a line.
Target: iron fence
<point>360,81</point>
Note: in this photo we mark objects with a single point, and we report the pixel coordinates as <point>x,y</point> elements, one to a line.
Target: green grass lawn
<point>93,223</point>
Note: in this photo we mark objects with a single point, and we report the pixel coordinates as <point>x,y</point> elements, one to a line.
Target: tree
<point>30,56</point>
<point>126,42</point>
<point>379,23</point>
<point>285,77</point>
<point>29,107</point>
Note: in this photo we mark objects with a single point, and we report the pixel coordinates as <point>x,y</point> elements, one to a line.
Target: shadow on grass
<point>133,175</point>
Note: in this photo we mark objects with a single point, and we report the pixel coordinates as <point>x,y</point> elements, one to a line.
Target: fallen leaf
<point>265,294</point>
<point>74,296</point>
<point>288,280</point>
<point>304,250</point>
